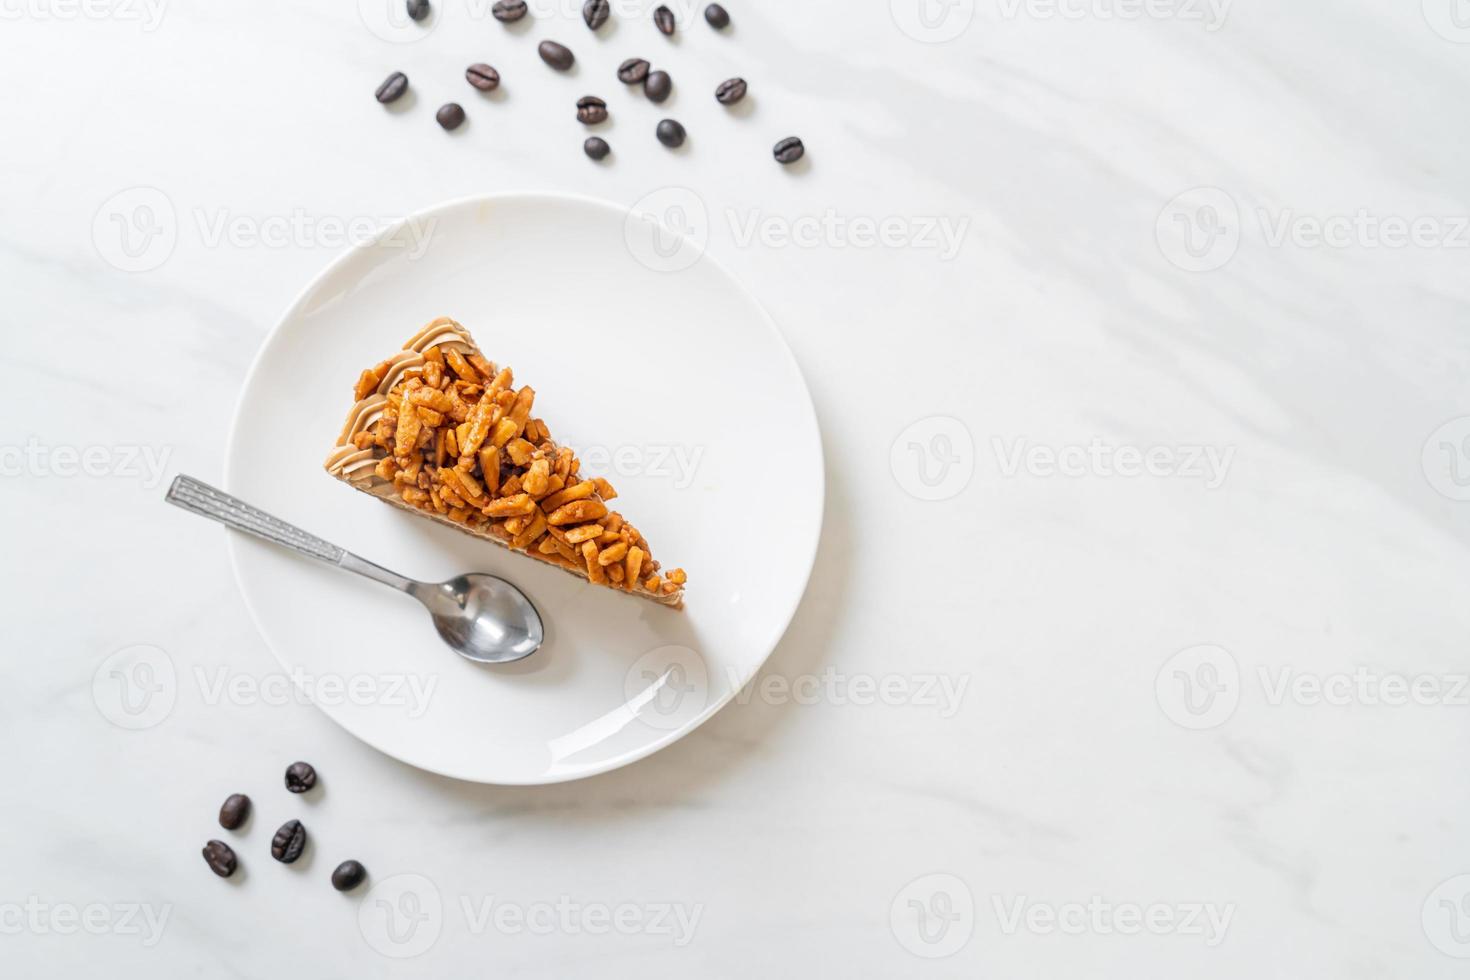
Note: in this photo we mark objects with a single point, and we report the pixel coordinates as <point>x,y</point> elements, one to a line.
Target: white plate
<point>714,452</point>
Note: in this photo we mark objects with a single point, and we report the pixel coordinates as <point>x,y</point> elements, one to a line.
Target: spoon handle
<point>207,501</point>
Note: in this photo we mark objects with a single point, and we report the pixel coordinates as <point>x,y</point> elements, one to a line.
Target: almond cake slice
<point>440,430</point>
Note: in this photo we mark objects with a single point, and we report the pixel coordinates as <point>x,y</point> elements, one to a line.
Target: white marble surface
<point>1317,539</point>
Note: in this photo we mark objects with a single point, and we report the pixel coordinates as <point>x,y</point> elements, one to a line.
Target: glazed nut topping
<point>457,439</point>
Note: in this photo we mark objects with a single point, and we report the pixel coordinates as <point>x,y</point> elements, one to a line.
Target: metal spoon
<point>481,617</point>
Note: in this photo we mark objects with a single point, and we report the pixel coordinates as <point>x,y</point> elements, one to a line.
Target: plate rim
<point>294,308</point>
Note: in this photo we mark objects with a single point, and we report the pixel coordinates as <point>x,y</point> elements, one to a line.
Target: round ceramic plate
<point>658,368</point>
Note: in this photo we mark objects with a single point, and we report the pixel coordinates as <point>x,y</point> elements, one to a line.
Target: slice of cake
<point>440,430</point>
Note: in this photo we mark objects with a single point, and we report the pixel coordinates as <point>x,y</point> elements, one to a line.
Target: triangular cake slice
<point>439,429</point>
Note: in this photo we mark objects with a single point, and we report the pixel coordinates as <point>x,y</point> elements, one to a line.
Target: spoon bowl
<point>483,618</point>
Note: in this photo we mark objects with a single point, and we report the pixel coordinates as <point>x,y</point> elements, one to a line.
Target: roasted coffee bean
<point>220,858</point>
<point>234,811</point>
<point>349,875</point>
<point>289,842</point>
<point>663,19</point>
<point>730,91</point>
<point>558,56</point>
<point>450,115</point>
<point>507,11</point>
<point>482,77</point>
<point>789,150</point>
<point>633,71</point>
<point>300,776</point>
<point>596,147</point>
<point>596,12</point>
<point>418,9</point>
<point>658,85</point>
<point>717,17</point>
<point>393,87</point>
<point>670,132</point>
<point>591,110</point>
